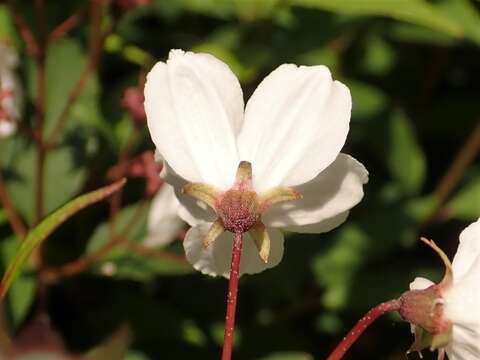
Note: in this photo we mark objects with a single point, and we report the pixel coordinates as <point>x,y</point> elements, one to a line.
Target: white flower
<point>10,91</point>
<point>289,136</point>
<point>461,300</point>
<point>164,224</point>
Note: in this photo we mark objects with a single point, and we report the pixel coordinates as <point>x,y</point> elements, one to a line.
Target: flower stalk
<point>232,296</point>
<point>361,326</point>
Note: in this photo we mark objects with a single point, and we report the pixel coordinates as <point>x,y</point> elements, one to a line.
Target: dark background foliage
<point>413,67</point>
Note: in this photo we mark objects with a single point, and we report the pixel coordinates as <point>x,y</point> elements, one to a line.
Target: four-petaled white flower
<point>275,164</point>
<point>461,298</point>
<point>10,91</point>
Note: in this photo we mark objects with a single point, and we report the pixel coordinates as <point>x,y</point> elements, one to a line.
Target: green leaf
<point>465,205</point>
<point>22,292</point>
<point>65,63</point>
<point>124,263</point>
<point>335,268</point>
<point>405,159</point>
<point>417,12</point>
<point>368,100</point>
<point>59,165</point>
<point>47,226</point>
<point>465,13</point>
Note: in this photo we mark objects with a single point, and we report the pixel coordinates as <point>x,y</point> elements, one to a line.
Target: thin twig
<point>361,326</point>
<point>25,31</point>
<point>153,253</point>
<point>67,25</point>
<point>232,296</point>
<point>78,266</point>
<point>13,217</point>
<point>454,173</point>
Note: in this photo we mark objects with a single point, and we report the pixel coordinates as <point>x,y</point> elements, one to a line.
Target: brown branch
<point>67,25</point>
<point>454,174</point>
<point>153,253</point>
<point>13,217</point>
<point>25,31</point>
<point>96,40</point>
<point>80,265</point>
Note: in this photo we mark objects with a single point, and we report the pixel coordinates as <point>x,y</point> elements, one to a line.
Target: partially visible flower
<point>132,101</point>
<point>164,224</point>
<point>275,164</point>
<point>453,322</point>
<point>37,341</point>
<point>10,91</point>
<point>144,166</point>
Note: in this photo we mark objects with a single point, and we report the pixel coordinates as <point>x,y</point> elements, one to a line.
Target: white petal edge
<point>323,226</point>
<point>194,107</point>
<point>461,308</point>
<point>163,224</point>
<point>468,250</point>
<point>190,210</point>
<point>332,193</point>
<point>215,260</point>
<point>296,123</point>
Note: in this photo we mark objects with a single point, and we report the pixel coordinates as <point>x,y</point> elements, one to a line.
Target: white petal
<point>215,260</point>
<point>332,193</point>
<point>323,226</point>
<point>420,283</point>
<point>192,211</point>
<point>164,224</point>
<point>468,250</point>
<point>194,108</point>
<point>296,123</point>
<point>461,308</point>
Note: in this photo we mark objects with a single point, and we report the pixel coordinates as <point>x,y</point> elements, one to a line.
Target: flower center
<point>239,210</point>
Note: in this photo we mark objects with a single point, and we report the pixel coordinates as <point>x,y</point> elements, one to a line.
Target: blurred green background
<point>413,67</point>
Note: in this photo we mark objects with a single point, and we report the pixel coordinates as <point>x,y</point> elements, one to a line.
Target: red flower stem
<point>361,326</point>
<point>232,296</point>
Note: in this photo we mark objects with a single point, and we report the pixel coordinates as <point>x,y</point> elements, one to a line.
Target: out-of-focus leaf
<point>22,292</point>
<point>405,159</point>
<point>3,217</point>
<point>65,63</point>
<point>465,13</point>
<point>335,268</point>
<point>113,348</point>
<point>368,101</point>
<point>417,12</point>
<point>122,262</point>
<point>47,226</point>
<point>193,334</point>
<point>320,56</point>
<point>288,355</point>
<point>133,355</point>
<point>63,178</point>
<point>465,205</point>
<point>7,27</point>
<point>134,214</point>
<point>379,56</point>
<point>243,73</point>
<point>255,9</point>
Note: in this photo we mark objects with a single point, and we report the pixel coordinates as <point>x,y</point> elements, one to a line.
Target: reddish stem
<point>360,327</point>
<point>232,296</point>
